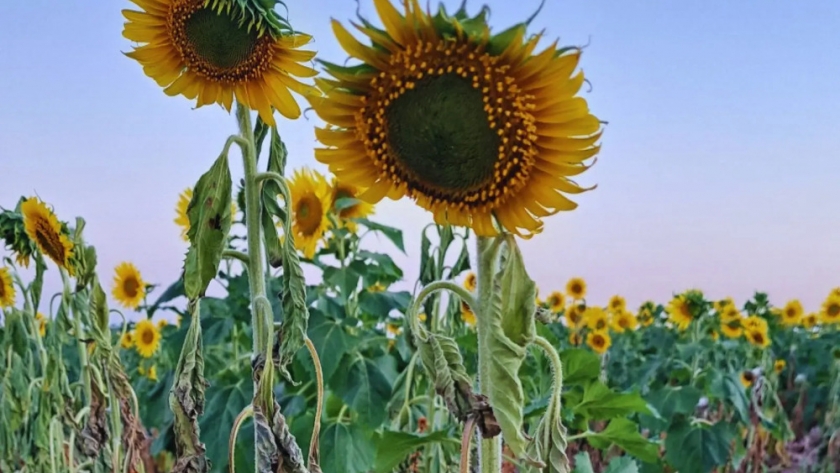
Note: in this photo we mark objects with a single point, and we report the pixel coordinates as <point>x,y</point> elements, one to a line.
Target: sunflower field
<point>473,368</point>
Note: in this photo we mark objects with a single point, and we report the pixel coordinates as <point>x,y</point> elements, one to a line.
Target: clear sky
<point>719,167</point>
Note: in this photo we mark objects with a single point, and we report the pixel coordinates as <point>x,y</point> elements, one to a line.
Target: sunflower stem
<point>490,450</point>
<point>255,267</point>
<point>77,328</point>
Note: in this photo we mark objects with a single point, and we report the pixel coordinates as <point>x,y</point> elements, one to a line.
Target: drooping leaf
<point>210,220</point>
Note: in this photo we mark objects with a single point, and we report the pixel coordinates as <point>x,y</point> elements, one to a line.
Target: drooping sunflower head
<point>792,313</point>
<point>830,313</point>
<point>467,315</point>
<point>747,378</point>
<point>556,301</point>
<point>624,321</point>
<point>358,209</point>
<point>146,338</point>
<point>599,341</point>
<point>310,204</point>
<point>470,282</point>
<point>616,303</point>
<point>7,289</point>
<point>129,287</point>
<point>779,366</point>
<point>472,126</point>
<point>576,288</point>
<point>596,319</point>
<point>214,51</point>
<point>731,328</point>
<point>758,338</point>
<point>43,227</point>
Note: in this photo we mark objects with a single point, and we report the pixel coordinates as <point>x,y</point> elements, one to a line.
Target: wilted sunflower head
<point>7,289</point>
<point>310,204</point>
<point>129,287</point>
<point>146,338</point>
<point>831,310</point>
<point>599,341</point>
<point>576,288</point>
<point>556,301</point>
<point>358,209</point>
<point>215,51</point>
<point>43,227</point>
<point>472,126</point>
<point>470,282</point>
<point>792,312</point>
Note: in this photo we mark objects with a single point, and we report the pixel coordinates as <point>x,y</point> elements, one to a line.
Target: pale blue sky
<point>719,167</point>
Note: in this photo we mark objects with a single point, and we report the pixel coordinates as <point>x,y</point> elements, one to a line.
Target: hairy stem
<point>490,450</point>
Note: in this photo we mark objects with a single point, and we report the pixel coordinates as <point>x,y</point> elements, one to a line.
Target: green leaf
<point>174,291</point>
<point>224,403</point>
<point>427,260</point>
<point>697,448</point>
<point>600,403</point>
<point>99,309</point>
<point>381,304</point>
<point>583,464</point>
<point>330,340</point>
<point>210,219</point>
<point>670,401</point>
<point>393,234</point>
<point>727,386</point>
<point>364,388</point>
<point>273,249</point>
<point>579,366</point>
<point>622,465</point>
<point>463,262</point>
<point>345,448</point>
<point>345,279</point>
<point>393,447</point>
<point>625,433</point>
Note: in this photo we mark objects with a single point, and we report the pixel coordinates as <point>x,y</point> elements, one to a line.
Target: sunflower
<point>152,373</point>
<point>575,338</point>
<point>7,290</point>
<point>469,125</point>
<point>729,312</point>
<point>182,219</point>
<point>146,338</point>
<point>45,230</point>
<point>810,321</point>
<point>213,51</point>
<point>576,288</point>
<point>779,366</point>
<point>421,317</point>
<point>723,304</point>
<point>42,324</point>
<point>747,378</point>
<point>731,328</point>
<point>679,312</point>
<point>358,209</point>
<point>758,338</point>
<point>162,323</point>
<point>393,329</point>
<point>310,202</point>
<point>129,287</point>
<point>556,301</point>
<point>830,313</point>
<point>617,303</point>
<point>575,316</point>
<point>127,340</point>
<point>645,317</point>
<point>792,313</point>
<point>835,292</point>
<point>624,321</point>
<point>470,282</point>
<point>599,341</point>
<point>376,287</point>
<point>713,334</point>
<point>755,323</point>
<point>596,319</point>
<point>467,314</point>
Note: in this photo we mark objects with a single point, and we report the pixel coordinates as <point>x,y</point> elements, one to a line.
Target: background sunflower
<point>310,204</point>
<point>129,288</point>
<point>7,289</point>
<point>146,338</point>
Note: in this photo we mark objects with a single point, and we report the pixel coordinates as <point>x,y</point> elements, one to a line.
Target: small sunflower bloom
<point>830,313</point>
<point>414,121</point>
<point>152,373</point>
<point>359,209</point>
<point>422,317</point>
<point>624,321</point>
<point>556,301</point>
<point>757,338</point>
<point>467,315</point>
<point>162,323</point>
<point>792,313</point>
<point>731,328</point>
<point>645,317</point>
<point>810,321</point>
<point>617,303</point>
<point>755,323</point>
<point>729,312</point>
<point>576,288</point>
<point>599,342</point>
<point>779,366</point>
<point>43,227</point>
<point>393,329</point>
<point>596,319</point>
<point>310,204</point>
<point>747,379</point>
<point>575,339</point>
<point>127,340</point>
<point>129,287</point>
<point>42,324</point>
<point>146,338</point>
<point>212,52</point>
<point>182,219</point>
<point>376,287</point>
<point>7,289</point>
<point>471,282</point>
<point>722,304</point>
<point>575,316</point>
<point>680,312</point>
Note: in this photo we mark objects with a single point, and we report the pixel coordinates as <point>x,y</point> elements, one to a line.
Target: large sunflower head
<point>472,126</point>
<point>43,227</point>
<point>7,289</point>
<point>146,338</point>
<point>310,204</point>
<point>576,288</point>
<point>358,209</point>
<point>792,313</point>
<point>129,287</point>
<point>830,313</point>
<point>599,341</point>
<point>213,51</point>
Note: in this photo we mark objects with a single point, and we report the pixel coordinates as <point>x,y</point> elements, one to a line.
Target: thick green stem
<point>490,450</point>
<point>77,328</point>
<point>256,270</point>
